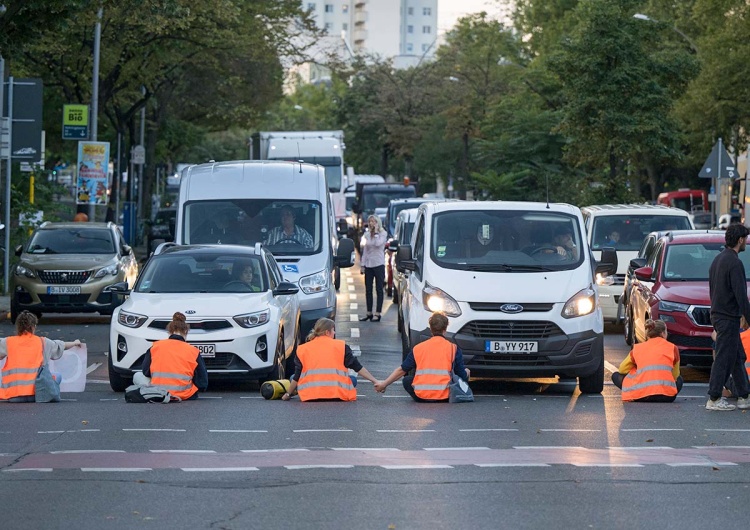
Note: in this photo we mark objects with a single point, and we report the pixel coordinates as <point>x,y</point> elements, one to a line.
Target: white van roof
<point>451,205</point>
<point>636,209</point>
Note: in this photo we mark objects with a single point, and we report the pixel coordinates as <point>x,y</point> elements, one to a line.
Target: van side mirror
<point>345,253</point>
<point>645,274</point>
<point>607,265</point>
<point>19,250</point>
<point>637,263</point>
<point>393,245</point>
<point>118,288</point>
<point>404,261</point>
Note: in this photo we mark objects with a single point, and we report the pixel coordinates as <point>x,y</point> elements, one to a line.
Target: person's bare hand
<point>286,397</point>
<point>380,387</point>
<point>468,373</point>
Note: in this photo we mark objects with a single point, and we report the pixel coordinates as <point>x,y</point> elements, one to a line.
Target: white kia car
<point>245,326</point>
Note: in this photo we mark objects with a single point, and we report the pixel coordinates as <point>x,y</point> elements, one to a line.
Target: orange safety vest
<point>173,364</point>
<point>652,375</point>
<point>434,358</point>
<point>21,365</point>
<point>324,375</point>
<point>745,336</point>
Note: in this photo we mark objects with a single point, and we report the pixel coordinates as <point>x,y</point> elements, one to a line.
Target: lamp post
<point>693,47</point>
<point>95,92</point>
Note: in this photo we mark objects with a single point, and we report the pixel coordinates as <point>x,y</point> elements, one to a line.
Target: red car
<point>673,287</point>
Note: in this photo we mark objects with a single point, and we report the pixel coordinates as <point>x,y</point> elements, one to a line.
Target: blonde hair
<point>655,328</point>
<point>438,323</point>
<point>320,328</point>
<point>178,325</point>
<point>26,321</point>
<point>378,221</point>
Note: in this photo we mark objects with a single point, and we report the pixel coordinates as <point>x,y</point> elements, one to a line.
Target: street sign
<point>139,155</point>
<point>4,138</point>
<point>26,113</point>
<point>75,122</point>
<point>718,164</point>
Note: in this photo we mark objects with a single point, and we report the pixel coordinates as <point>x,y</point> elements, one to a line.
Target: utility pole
<point>95,92</point>
<point>139,209</point>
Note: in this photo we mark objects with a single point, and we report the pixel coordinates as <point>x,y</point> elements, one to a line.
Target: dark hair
<point>655,328</point>
<point>438,323</point>
<point>734,232</point>
<point>178,325</point>
<point>564,229</point>
<point>26,322</point>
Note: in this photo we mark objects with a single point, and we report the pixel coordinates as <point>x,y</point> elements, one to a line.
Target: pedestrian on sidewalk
<point>651,371</point>
<point>727,286</point>
<point>432,362</point>
<point>321,367</point>
<point>24,354</point>
<point>372,265</point>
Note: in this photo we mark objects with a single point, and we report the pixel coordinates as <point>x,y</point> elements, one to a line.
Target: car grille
<point>64,300</point>
<point>222,360</point>
<point>495,306</point>
<point>511,329</point>
<point>205,325</point>
<point>509,360</point>
<point>64,277</point>
<point>701,315</point>
<point>690,342</point>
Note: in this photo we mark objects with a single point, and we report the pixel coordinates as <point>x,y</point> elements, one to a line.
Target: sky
<point>449,11</point>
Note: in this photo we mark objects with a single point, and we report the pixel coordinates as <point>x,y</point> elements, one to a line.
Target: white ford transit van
<point>516,280</point>
<point>283,205</point>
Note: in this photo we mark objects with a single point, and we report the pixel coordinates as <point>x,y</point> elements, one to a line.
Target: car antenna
<point>546,176</point>
<point>299,154</point>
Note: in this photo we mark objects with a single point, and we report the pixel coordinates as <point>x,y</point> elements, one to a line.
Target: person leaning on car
<point>173,364</point>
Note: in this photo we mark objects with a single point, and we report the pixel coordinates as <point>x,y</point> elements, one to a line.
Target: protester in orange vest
<point>651,371</point>
<point>321,367</point>
<point>23,355</point>
<point>173,364</point>
<point>432,362</point>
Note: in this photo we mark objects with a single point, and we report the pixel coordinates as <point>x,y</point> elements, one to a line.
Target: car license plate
<point>206,350</point>
<point>65,289</point>
<point>510,346</point>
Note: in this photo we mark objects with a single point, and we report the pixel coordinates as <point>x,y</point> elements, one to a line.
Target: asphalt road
<point>526,454</point>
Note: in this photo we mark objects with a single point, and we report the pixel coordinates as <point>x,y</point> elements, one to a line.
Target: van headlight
<point>110,269</point>
<point>582,303</point>
<point>252,320</point>
<point>315,283</point>
<point>131,320</point>
<point>435,299</point>
<point>604,279</point>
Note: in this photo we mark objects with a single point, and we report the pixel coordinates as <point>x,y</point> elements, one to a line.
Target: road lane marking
<point>182,451</point>
<point>588,464</point>
<point>550,447</point>
<point>218,469</point>
<point>320,466</point>
<point>570,430</point>
<point>351,288</point>
<point>355,333</point>
<point>353,318</point>
<point>97,381</point>
<point>109,399</point>
<point>350,280</point>
<point>49,432</point>
<point>154,430</point>
<point>640,448</point>
<point>209,397</point>
<point>233,430</point>
<point>363,449</point>
<point>352,296</point>
<point>405,430</point>
<point>418,466</point>
<point>700,464</point>
<point>274,450</point>
<point>110,469</point>
<point>41,469</point>
<point>322,430</point>
<point>93,367</point>
<point>648,430</point>
<point>611,367</point>
<point>519,464</point>
<point>456,449</point>
<point>487,430</point>
<point>251,397</point>
<point>721,447</point>
<point>85,451</point>
<point>353,305</point>
<point>727,430</point>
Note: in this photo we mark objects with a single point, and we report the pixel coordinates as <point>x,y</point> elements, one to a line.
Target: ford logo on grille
<point>511,308</point>
<point>190,312</point>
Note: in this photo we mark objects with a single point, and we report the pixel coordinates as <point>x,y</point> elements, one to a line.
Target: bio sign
<point>75,122</point>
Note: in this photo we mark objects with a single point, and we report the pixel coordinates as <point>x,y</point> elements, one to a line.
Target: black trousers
<point>378,274</point>
<point>617,378</point>
<point>729,359</point>
<point>409,387</point>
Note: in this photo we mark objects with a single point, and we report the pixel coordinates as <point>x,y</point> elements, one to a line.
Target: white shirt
<point>373,249</point>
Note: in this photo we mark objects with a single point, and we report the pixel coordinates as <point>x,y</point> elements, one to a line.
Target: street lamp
<point>693,47</point>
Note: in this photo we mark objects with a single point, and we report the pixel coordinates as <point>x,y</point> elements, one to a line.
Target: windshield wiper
<point>504,267</point>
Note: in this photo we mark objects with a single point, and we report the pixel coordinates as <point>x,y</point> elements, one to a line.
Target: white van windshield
<point>284,227</point>
<point>505,241</point>
<point>627,232</point>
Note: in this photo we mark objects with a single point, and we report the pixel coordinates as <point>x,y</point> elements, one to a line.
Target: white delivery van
<point>516,280</point>
<point>283,205</point>
<point>624,227</point>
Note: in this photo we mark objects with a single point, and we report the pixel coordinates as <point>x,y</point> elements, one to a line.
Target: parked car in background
<point>395,279</point>
<point>243,330</point>
<point>161,229</point>
<point>672,286</point>
<point>71,268</point>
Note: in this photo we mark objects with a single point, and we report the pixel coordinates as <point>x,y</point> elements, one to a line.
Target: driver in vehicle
<point>246,277</point>
<point>564,243</point>
<point>289,232</point>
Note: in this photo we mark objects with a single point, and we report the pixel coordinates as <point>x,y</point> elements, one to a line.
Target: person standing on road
<point>727,286</point>
<point>174,365</point>
<point>24,354</point>
<point>372,265</point>
<point>432,362</point>
<point>651,371</point>
<point>321,367</point>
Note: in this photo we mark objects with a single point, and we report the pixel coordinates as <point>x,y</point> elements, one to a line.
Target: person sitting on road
<point>24,354</point>
<point>651,371</point>
<point>432,362</point>
<point>174,365</point>
<point>289,231</point>
<point>321,367</point>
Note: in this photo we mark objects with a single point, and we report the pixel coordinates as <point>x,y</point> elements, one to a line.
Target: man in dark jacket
<point>727,284</point>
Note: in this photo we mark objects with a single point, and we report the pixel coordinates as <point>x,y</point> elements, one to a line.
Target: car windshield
<point>506,241</point>
<point>285,227</point>
<point>627,232</point>
<point>691,261</point>
<point>72,241</point>
<point>373,199</point>
<point>202,273</point>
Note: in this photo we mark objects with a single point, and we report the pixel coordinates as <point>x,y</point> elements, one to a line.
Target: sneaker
<point>720,404</point>
<point>743,403</point>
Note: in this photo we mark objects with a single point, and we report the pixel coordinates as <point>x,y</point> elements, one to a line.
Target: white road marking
<point>43,469</point>
<point>109,399</point>
<point>233,430</point>
<point>322,430</point>
<point>570,430</point>
<point>88,430</point>
<point>488,430</point>
<point>185,451</point>
<point>351,288</point>
<point>93,367</point>
<point>640,448</point>
<point>721,447</point>
<point>251,397</point>
<point>352,296</point>
<point>363,449</point>
<point>272,450</point>
<point>353,305</point>
<point>85,451</point>
<point>350,280</point>
<point>405,430</point>
<point>353,318</point>
<point>154,430</point>
<point>320,466</point>
<point>355,333</point>
<point>97,381</point>
<point>727,430</point>
<point>392,396</point>
<point>417,466</point>
<point>610,367</point>
<point>209,397</point>
<point>110,469</point>
<point>701,464</point>
<point>526,464</point>
<point>49,432</point>
<point>648,430</point>
<point>68,400</point>
<point>606,465</point>
<point>549,447</point>
<point>456,448</point>
<point>215,469</point>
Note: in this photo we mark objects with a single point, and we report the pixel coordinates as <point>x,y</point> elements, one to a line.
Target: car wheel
<point>337,278</point>
<point>405,345</point>
<point>594,383</point>
<point>118,382</point>
<point>628,327</point>
<point>400,320</point>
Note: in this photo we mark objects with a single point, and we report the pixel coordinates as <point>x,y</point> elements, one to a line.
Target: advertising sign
<point>93,173</point>
<point>26,94</point>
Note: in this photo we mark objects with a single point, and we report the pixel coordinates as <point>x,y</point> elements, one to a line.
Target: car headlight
<point>604,279</point>
<point>673,306</point>
<point>23,271</point>
<point>582,303</point>
<point>131,320</point>
<point>251,320</point>
<point>109,269</point>
<point>435,299</point>
<point>315,283</point>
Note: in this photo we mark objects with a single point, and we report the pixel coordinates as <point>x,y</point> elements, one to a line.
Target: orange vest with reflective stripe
<point>21,365</point>
<point>173,364</point>
<point>652,375</point>
<point>745,336</point>
<point>324,375</point>
<point>434,358</point>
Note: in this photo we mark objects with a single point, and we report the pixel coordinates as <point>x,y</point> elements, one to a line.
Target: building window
<point>410,10</point>
<point>345,8</point>
<point>409,47</point>
<point>345,26</point>
<point>329,8</point>
<point>329,27</point>
<point>425,47</point>
<point>426,29</point>
<point>409,29</point>
<point>311,6</point>
<point>427,11</point>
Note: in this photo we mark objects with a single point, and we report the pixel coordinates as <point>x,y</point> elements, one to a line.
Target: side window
<point>419,247</point>
<point>655,258</point>
<point>274,275</point>
<point>648,245</point>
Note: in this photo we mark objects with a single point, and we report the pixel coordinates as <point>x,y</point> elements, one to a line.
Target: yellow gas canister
<point>274,389</point>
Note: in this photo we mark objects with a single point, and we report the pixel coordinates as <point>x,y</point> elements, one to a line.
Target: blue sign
<point>289,268</point>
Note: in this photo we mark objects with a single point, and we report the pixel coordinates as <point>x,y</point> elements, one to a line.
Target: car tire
<point>594,383</point>
<point>395,295</point>
<point>628,327</point>
<point>118,382</point>
<point>337,278</point>
<point>400,321</point>
<point>405,343</point>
